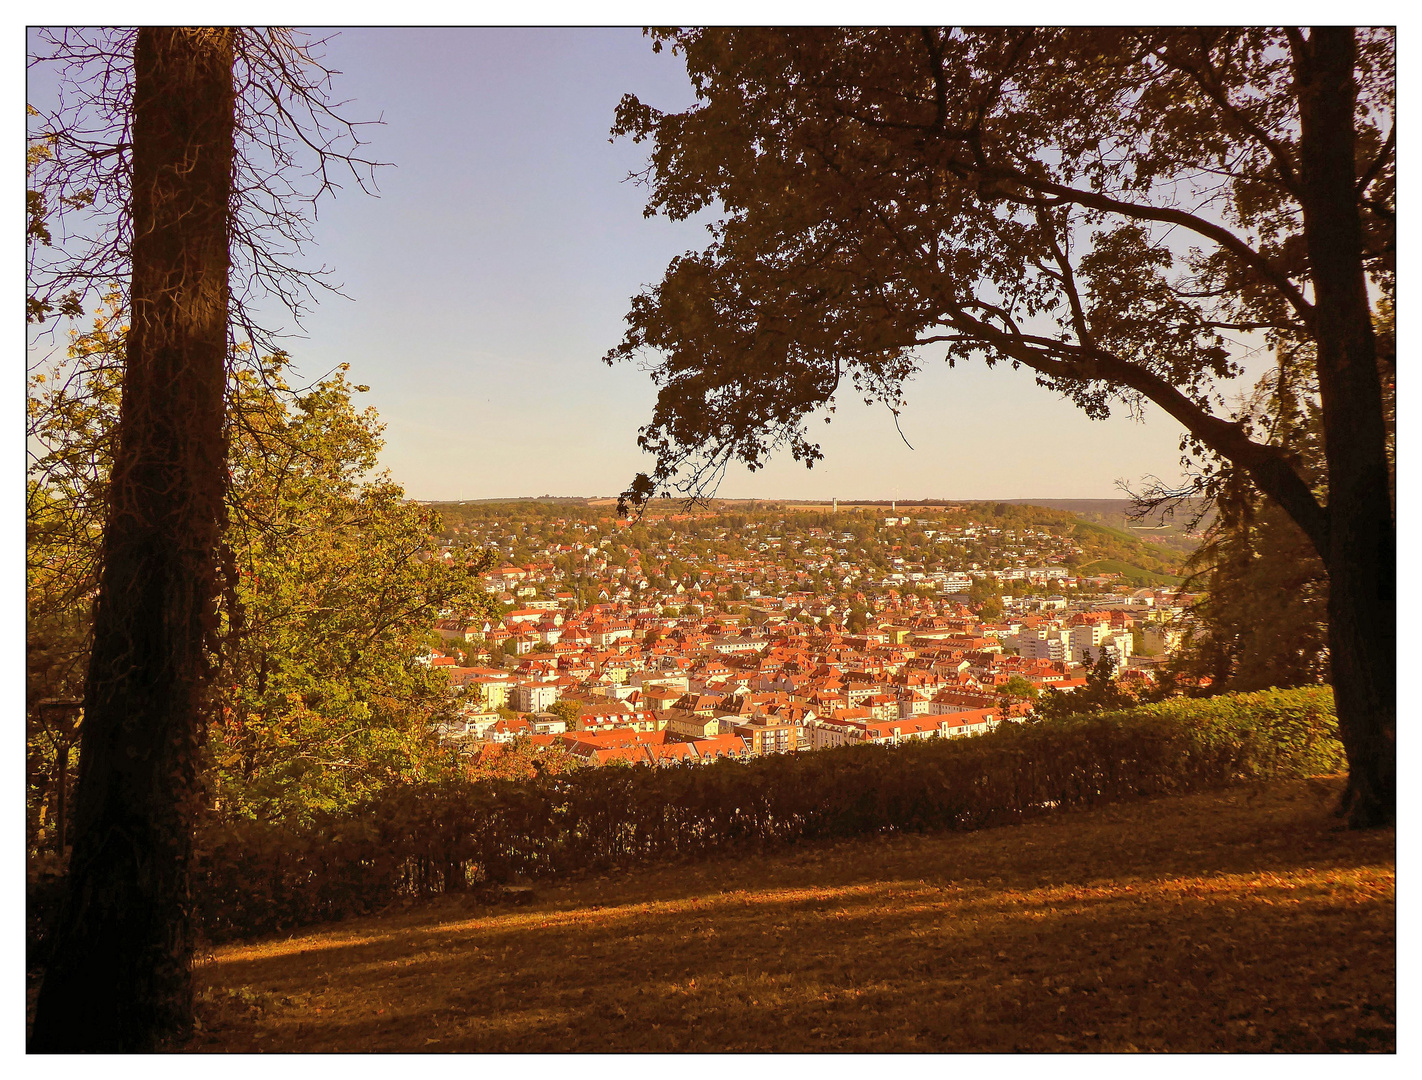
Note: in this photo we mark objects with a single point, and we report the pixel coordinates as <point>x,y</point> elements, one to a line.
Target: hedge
<point>259,877</point>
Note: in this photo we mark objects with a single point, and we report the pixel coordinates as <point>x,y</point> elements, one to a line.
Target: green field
<point>1131,573</point>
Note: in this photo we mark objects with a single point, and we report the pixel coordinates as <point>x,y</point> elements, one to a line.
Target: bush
<point>255,877</point>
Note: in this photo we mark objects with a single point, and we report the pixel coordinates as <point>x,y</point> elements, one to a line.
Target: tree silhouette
<point>1100,206</point>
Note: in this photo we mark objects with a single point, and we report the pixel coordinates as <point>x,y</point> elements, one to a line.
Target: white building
<point>534,697</point>
<point>1044,643</point>
<point>1088,643</point>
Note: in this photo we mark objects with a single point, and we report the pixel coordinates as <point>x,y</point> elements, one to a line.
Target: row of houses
<point>713,740</point>
<point>778,677</point>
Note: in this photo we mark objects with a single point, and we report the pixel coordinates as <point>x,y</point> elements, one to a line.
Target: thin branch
<point>1288,176</point>
<point>1165,215</point>
<point>1267,465</point>
<point>1388,147</point>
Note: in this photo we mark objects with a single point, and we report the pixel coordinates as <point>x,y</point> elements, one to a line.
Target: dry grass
<point>1229,921</point>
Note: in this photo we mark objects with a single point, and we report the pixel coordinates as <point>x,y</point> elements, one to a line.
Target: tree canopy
<point>331,593</point>
<point>1015,196</point>
<point>1106,207</point>
<point>334,599</point>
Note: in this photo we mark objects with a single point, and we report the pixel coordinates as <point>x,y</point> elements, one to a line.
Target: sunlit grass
<point>1235,920</point>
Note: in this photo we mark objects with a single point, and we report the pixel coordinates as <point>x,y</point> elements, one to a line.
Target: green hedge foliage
<point>259,877</point>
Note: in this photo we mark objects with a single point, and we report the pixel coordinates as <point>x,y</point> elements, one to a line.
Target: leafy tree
<point>321,699</point>
<point>1262,622</point>
<point>568,711</point>
<point>1020,195</point>
<point>1018,687</point>
<point>72,413</point>
<point>1100,694</point>
<point>985,595</point>
<point>520,760</point>
<point>858,619</point>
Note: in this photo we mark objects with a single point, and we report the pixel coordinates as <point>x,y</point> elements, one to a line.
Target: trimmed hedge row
<point>254,877</point>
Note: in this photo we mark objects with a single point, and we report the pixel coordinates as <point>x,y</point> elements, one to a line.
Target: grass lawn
<point>1236,920</point>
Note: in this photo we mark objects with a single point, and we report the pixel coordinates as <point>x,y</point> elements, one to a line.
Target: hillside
<point>1130,572</point>
<point>1230,921</point>
<point>808,547</point>
<point>1106,549</point>
<point>1172,532</point>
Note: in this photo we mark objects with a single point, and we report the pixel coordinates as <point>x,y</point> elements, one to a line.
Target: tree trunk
<point>61,784</point>
<point>119,975</point>
<point>1361,553</point>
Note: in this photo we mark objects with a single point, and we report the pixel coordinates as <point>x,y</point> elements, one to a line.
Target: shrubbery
<point>253,877</point>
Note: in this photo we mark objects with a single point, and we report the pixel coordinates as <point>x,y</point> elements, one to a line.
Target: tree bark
<point>119,976</point>
<point>61,783</point>
<point>1361,553</point>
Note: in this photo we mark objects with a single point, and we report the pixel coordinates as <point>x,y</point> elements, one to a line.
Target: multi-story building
<point>692,725</point>
<point>534,697</point>
<point>769,738</point>
<point>1044,642</point>
<point>1163,638</point>
<point>1090,641</point>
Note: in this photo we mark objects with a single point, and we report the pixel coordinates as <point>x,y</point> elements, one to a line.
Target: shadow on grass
<point>1234,920</point>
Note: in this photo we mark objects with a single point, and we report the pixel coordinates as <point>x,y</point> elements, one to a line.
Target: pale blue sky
<point>494,271</point>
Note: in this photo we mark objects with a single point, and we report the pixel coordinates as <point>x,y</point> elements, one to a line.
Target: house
<point>700,704</point>
<point>492,690</point>
<point>881,706</point>
<point>534,697</point>
<point>720,746</point>
<point>943,725</point>
<point>626,745</point>
<point>457,630</point>
<point>548,724</point>
<point>970,722</point>
<point>659,699</point>
<point>467,725</point>
<point>769,738</point>
<point>904,729</point>
<point>692,725</point>
<point>837,731</point>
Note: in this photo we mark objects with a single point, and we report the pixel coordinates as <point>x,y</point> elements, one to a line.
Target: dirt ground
<point>1240,920</point>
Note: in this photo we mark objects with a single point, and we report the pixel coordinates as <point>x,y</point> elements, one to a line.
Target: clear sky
<point>493,273</point>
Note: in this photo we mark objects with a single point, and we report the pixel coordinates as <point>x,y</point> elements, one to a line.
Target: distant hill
<point>1115,514</point>
<point>1129,572</point>
<point>1150,551</point>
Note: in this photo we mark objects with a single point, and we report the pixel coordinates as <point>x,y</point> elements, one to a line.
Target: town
<point>858,719</point>
<point>737,631</point>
